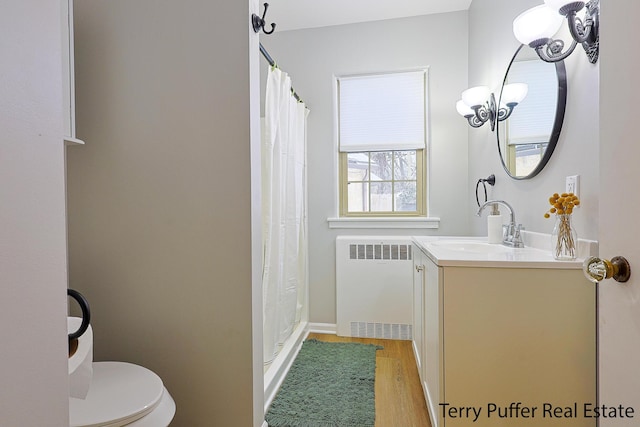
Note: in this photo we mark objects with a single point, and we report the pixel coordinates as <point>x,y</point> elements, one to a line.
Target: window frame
<point>421,158</point>
<point>421,203</point>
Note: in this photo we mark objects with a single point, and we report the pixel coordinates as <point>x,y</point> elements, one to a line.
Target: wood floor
<point>399,398</point>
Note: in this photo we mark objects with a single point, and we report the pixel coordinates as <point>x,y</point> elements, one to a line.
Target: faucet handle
<point>517,237</point>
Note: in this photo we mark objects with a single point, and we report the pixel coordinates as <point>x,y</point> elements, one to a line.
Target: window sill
<point>384,222</point>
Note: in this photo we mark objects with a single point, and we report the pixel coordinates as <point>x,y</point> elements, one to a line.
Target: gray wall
<point>33,279</point>
<point>491,46</point>
<point>160,198</point>
<point>312,57</point>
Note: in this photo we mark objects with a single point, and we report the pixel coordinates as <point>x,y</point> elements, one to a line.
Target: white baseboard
<point>415,355</point>
<point>323,328</point>
<point>432,406</point>
<point>282,363</point>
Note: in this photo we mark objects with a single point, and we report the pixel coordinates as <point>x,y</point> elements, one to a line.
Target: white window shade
<point>533,119</point>
<point>383,112</point>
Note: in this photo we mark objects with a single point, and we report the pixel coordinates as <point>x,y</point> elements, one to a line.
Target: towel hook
<point>259,23</point>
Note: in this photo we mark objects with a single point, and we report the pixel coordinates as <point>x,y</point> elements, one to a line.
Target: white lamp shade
<point>558,4</point>
<point>514,92</point>
<point>540,22</point>
<point>476,96</point>
<point>463,109</point>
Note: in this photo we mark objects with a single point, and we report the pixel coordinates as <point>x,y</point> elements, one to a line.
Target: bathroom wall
<point>160,198</point>
<point>491,46</point>
<point>33,276</point>
<point>312,57</point>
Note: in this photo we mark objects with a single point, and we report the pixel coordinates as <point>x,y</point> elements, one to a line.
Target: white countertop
<point>499,255</point>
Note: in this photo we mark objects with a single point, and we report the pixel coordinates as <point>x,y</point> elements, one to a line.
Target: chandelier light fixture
<point>478,104</point>
<point>537,26</point>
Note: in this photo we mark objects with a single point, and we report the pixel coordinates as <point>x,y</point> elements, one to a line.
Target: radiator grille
<point>380,251</point>
<point>390,331</point>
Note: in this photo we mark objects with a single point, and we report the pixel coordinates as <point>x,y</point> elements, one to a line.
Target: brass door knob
<point>597,269</point>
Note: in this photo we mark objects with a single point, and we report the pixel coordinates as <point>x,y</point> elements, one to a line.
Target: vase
<point>564,241</point>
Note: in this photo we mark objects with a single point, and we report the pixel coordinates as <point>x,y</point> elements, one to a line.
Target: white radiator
<point>374,287</point>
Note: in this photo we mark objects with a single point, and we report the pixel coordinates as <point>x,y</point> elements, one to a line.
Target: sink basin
<point>473,251</point>
<point>470,246</point>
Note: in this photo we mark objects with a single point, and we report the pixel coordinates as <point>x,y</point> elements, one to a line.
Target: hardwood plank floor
<point>399,398</point>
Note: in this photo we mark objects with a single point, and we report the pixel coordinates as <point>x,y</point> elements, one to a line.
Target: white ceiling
<point>298,14</point>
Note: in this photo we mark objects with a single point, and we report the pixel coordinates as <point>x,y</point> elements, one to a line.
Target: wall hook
<point>259,23</point>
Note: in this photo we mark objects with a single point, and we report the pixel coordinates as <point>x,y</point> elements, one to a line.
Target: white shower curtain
<point>283,211</point>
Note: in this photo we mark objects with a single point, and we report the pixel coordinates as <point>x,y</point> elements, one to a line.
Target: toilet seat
<point>121,394</point>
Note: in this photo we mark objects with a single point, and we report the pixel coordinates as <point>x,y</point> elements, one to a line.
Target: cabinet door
<point>519,335</point>
<point>418,283</point>
<point>433,345</point>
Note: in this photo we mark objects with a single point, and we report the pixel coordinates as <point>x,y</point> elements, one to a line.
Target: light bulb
<point>514,93</point>
<point>476,96</point>
<point>540,22</point>
<point>463,109</point>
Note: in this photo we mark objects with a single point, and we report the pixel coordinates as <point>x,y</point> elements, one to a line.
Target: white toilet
<point>119,394</point>
<point>123,394</point>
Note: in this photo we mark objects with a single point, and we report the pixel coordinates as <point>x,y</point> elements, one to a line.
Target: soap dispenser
<point>494,225</point>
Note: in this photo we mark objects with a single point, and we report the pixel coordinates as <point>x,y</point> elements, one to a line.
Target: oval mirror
<point>528,136</point>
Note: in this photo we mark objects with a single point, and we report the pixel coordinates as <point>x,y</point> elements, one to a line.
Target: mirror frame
<point>561,104</point>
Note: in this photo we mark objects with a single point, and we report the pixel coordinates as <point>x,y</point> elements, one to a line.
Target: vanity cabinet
<point>494,336</point>
<point>426,328</point>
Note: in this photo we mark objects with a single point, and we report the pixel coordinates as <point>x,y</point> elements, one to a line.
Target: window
<point>382,144</point>
<point>529,130</point>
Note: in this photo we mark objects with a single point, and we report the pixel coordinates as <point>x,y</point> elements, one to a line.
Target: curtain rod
<point>273,64</point>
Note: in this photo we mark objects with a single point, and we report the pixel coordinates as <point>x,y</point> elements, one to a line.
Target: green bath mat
<point>330,384</point>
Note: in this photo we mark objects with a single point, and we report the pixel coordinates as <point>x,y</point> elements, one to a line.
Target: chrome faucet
<point>512,237</point>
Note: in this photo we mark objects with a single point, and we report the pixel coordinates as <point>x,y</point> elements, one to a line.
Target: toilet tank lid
<point>120,393</point>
